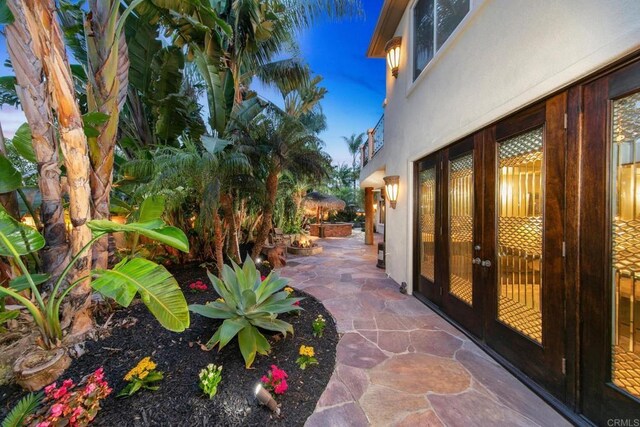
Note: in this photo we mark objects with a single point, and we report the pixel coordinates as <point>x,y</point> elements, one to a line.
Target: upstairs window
<point>433,22</point>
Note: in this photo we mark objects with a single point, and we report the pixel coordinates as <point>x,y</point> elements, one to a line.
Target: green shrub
<point>247,304</point>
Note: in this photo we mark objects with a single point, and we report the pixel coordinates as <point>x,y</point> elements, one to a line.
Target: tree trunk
<point>8,200</point>
<point>47,36</point>
<point>108,63</point>
<point>26,58</point>
<point>226,201</point>
<point>218,242</point>
<point>267,213</point>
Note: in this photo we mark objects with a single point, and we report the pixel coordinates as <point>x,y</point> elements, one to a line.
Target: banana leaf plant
<point>157,288</point>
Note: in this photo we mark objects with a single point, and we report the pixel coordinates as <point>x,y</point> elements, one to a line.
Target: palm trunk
<point>47,35</point>
<point>218,242</point>
<point>267,213</point>
<point>26,58</point>
<point>108,64</point>
<point>226,201</point>
<point>9,201</point>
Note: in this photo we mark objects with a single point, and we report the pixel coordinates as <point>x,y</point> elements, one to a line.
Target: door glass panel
<point>625,204</point>
<point>428,223</point>
<point>461,227</point>
<point>520,202</point>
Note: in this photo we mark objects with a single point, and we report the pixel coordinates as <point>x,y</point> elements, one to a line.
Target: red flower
<point>57,409</point>
<point>281,387</point>
<point>98,375</point>
<point>60,392</point>
<point>296,303</point>
<point>264,379</point>
<point>50,389</point>
<point>262,278</point>
<point>67,383</point>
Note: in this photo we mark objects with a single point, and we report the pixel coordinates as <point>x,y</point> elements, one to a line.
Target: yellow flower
<point>306,351</point>
<point>141,370</point>
<point>288,290</point>
<point>220,300</point>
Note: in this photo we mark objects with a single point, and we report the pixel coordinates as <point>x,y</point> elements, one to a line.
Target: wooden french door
<point>490,237</point>
<point>610,249</point>
<point>523,241</point>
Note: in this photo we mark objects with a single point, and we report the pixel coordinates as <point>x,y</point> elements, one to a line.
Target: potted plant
<point>158,290</point>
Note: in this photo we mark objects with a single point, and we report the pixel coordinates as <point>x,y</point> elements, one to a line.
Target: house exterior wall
<point>506,54</point>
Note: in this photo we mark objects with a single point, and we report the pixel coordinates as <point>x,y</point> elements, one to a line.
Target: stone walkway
<point>399,363</point>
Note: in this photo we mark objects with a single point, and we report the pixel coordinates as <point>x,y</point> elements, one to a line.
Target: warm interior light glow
<point>393,55</point>
<point>392,187</point>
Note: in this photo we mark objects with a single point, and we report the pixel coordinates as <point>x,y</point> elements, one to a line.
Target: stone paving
<point>399,363</point>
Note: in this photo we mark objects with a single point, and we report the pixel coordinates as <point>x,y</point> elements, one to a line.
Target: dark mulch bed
<point>179,401</point>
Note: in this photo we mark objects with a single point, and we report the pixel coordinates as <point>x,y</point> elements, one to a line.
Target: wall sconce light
<point>391,184</point>
<point>265,398</point>
<point>392,48</point>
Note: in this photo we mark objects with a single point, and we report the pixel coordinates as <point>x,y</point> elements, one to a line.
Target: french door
<point>610,248</point>
<point>490,237</point>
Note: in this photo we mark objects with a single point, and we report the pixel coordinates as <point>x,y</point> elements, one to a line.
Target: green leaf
<point>23,143</point>
<point>152,208</point>
<point>274,325</point>
<point>15,236</point>
<point>21,283</point>
<point>6,17</point>
<point>162,295</point>
<point>155,230</point>
<point>25,407</point>
<point>229,329</point>
<point>10,177</point>
<point>213,310</point>
<point>213,144</point>
<point>95,118</point>
<point>251,342</point>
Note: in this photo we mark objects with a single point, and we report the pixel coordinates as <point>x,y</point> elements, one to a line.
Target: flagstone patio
<point>398,362</point>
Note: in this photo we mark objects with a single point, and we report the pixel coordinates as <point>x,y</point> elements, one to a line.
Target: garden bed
<point>179,401</point>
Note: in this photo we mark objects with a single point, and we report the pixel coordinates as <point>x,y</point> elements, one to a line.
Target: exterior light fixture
<point>265,398</point>
<point>392,48</point>
<point>391,184</point>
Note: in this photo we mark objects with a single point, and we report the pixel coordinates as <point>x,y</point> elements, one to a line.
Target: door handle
<point>476,261</point>
<point>477,248</point>
<point>486,263</point>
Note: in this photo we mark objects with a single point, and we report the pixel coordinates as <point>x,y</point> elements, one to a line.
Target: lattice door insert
<point>625,206</point>
<point>428,223</point>
<point>461,228</point>
<point>520,223</point>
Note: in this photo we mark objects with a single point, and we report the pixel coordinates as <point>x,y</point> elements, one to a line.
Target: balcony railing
<point>375,142</point>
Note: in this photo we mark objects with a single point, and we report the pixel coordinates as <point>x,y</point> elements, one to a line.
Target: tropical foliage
<point>248,304</point>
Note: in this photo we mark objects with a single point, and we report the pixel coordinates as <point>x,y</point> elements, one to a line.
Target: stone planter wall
<point>304,251</point>
<point>331,230</point>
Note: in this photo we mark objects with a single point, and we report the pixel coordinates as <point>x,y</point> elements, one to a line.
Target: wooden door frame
<point>547,357</point>
<point>594,238</point>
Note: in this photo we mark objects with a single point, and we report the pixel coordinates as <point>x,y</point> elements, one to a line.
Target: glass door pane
<point>428,223</point>
<point>461,228</point>
<point>520,202</point>
<point>625,204</point>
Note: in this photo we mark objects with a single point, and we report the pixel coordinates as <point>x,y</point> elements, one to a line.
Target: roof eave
<point>390,16</point>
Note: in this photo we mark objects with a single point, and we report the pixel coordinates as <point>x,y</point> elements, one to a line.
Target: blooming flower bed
<point>180,399</point>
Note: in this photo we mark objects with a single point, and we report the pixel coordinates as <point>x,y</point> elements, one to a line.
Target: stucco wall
<point>506,55</point>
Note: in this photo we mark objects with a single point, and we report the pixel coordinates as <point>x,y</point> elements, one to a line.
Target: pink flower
<point>60,392</point>
<point>278,374</point>
<point>76,413</point>
<point>50,389</point>
<point>67,383</point>
<point>98,375</point>
<point>56,410</point>
<point>281,387</point>
<point>264,379</point>
<point>90,388</point>
<point>44,424</point>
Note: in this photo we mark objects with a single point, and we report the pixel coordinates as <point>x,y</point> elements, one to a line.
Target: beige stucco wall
<point>506,55</point>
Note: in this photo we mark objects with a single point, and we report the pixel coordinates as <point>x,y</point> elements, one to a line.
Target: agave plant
<point>157,287</point>
<point>248,304</point>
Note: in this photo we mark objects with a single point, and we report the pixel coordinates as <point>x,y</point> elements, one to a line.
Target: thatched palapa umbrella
<point>320,202</point>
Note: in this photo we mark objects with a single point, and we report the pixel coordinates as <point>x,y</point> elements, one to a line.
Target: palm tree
<point>107,69</point>
<point>35,101</point>
<point>354,142</point>
<point>281,143</point>
<point>44,34</point>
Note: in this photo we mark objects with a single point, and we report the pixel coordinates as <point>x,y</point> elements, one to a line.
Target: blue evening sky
<point>335,50</point>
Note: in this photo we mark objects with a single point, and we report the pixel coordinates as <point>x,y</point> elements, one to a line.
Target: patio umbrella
<point>319,202</point>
